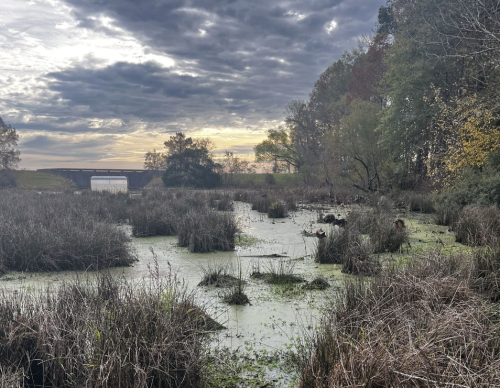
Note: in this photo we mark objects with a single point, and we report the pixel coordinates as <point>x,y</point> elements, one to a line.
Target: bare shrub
<point>413,327</point>
<point>478,226</point>
<point>124,335</point>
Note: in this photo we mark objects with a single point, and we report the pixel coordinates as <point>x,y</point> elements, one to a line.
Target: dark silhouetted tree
<point>189,163</point>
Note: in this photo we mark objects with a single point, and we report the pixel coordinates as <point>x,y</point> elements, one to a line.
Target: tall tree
<point>154,160</point>
<point>278,148</point>
<point>189,163</point>
<point>9,156</point>
<point>358,144</point>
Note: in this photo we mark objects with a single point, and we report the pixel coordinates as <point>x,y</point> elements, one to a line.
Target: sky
<point>98,83</point>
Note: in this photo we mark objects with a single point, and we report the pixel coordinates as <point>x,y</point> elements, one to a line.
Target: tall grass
<point>420,326</point>
<point>110,334</point>
<point>206,231</point>
<point>478,226</point>
<point>54,232</point>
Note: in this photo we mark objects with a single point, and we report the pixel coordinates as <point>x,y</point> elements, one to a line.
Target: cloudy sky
<point>97,83</point>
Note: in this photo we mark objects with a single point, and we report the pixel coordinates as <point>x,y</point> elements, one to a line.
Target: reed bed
<point>55,232</point>
<point>104,333</point>
<point>420,326</point>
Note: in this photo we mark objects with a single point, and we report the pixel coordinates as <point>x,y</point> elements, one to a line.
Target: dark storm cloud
<point>248,56</point>
<point>150,92</point>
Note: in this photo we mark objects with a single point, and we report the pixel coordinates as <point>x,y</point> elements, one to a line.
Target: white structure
<point>114,184</point>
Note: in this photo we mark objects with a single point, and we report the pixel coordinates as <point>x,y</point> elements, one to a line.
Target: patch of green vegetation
<point>245,240</point>
<point>42,180</point>
<point>250,368</point>
<point>425,236</point>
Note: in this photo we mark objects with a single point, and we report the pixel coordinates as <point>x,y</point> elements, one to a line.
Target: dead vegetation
<point>56,232</point>
<point>420,326</point>
<point>105,333</point>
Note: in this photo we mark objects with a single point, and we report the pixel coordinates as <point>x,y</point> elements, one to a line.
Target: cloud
<point>122,67</point>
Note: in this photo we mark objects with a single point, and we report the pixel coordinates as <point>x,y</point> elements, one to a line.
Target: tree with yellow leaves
<point>470,131</point>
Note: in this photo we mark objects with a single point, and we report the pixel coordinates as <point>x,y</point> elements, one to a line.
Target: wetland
<point>269,338</point>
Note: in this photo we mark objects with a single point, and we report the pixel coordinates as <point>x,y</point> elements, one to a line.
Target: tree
<point>189,163</point>
<point>9,157</point>
<point>278,148</point>
<point>358,145</point>
<point>471,131</point>
<point>154,160</point>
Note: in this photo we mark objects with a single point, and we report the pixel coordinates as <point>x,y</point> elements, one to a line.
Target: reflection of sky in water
<point>272,320</point>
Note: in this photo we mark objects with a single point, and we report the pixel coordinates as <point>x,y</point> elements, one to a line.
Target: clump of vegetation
<point>277,210</point>
<point>419,202</point>
<point>261,203</point>
<point>384,235</point>
<point>152,218</point>
<point>269,179</point>
<point>317,284</point>
<point>478,226</point>
<point>105,334</point>
<point>7,179</point>
<point>486,272</point>
<point>207,231</point>
<point>53,232</point>
<point>416,326</point>
<point>236,296</point>
<point>346,246</point>
<point>222,202</point>
<point>279,272</point>
<point>218,274</point>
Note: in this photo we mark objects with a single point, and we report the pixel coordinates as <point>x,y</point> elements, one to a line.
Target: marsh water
<point>276,315</point>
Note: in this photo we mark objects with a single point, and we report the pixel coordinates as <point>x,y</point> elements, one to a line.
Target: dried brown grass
<point>418,327</point>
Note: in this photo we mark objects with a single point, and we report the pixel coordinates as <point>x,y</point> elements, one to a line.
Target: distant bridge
<point>81,176</point>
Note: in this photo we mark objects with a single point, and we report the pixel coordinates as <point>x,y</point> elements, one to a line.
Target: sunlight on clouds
<point>330,26</point>
<point>296,15</point>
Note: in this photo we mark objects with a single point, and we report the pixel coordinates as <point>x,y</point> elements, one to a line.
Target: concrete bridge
<point>81,176</point>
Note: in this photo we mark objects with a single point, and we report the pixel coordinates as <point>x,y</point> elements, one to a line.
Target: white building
<point>114,184</point>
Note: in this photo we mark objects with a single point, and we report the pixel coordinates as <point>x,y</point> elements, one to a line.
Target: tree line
<point>413,105</point>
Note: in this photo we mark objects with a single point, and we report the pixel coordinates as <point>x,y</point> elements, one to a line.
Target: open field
<point>39,180</point>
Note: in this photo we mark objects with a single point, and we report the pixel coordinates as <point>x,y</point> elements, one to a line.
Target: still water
<point>275,316</point>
